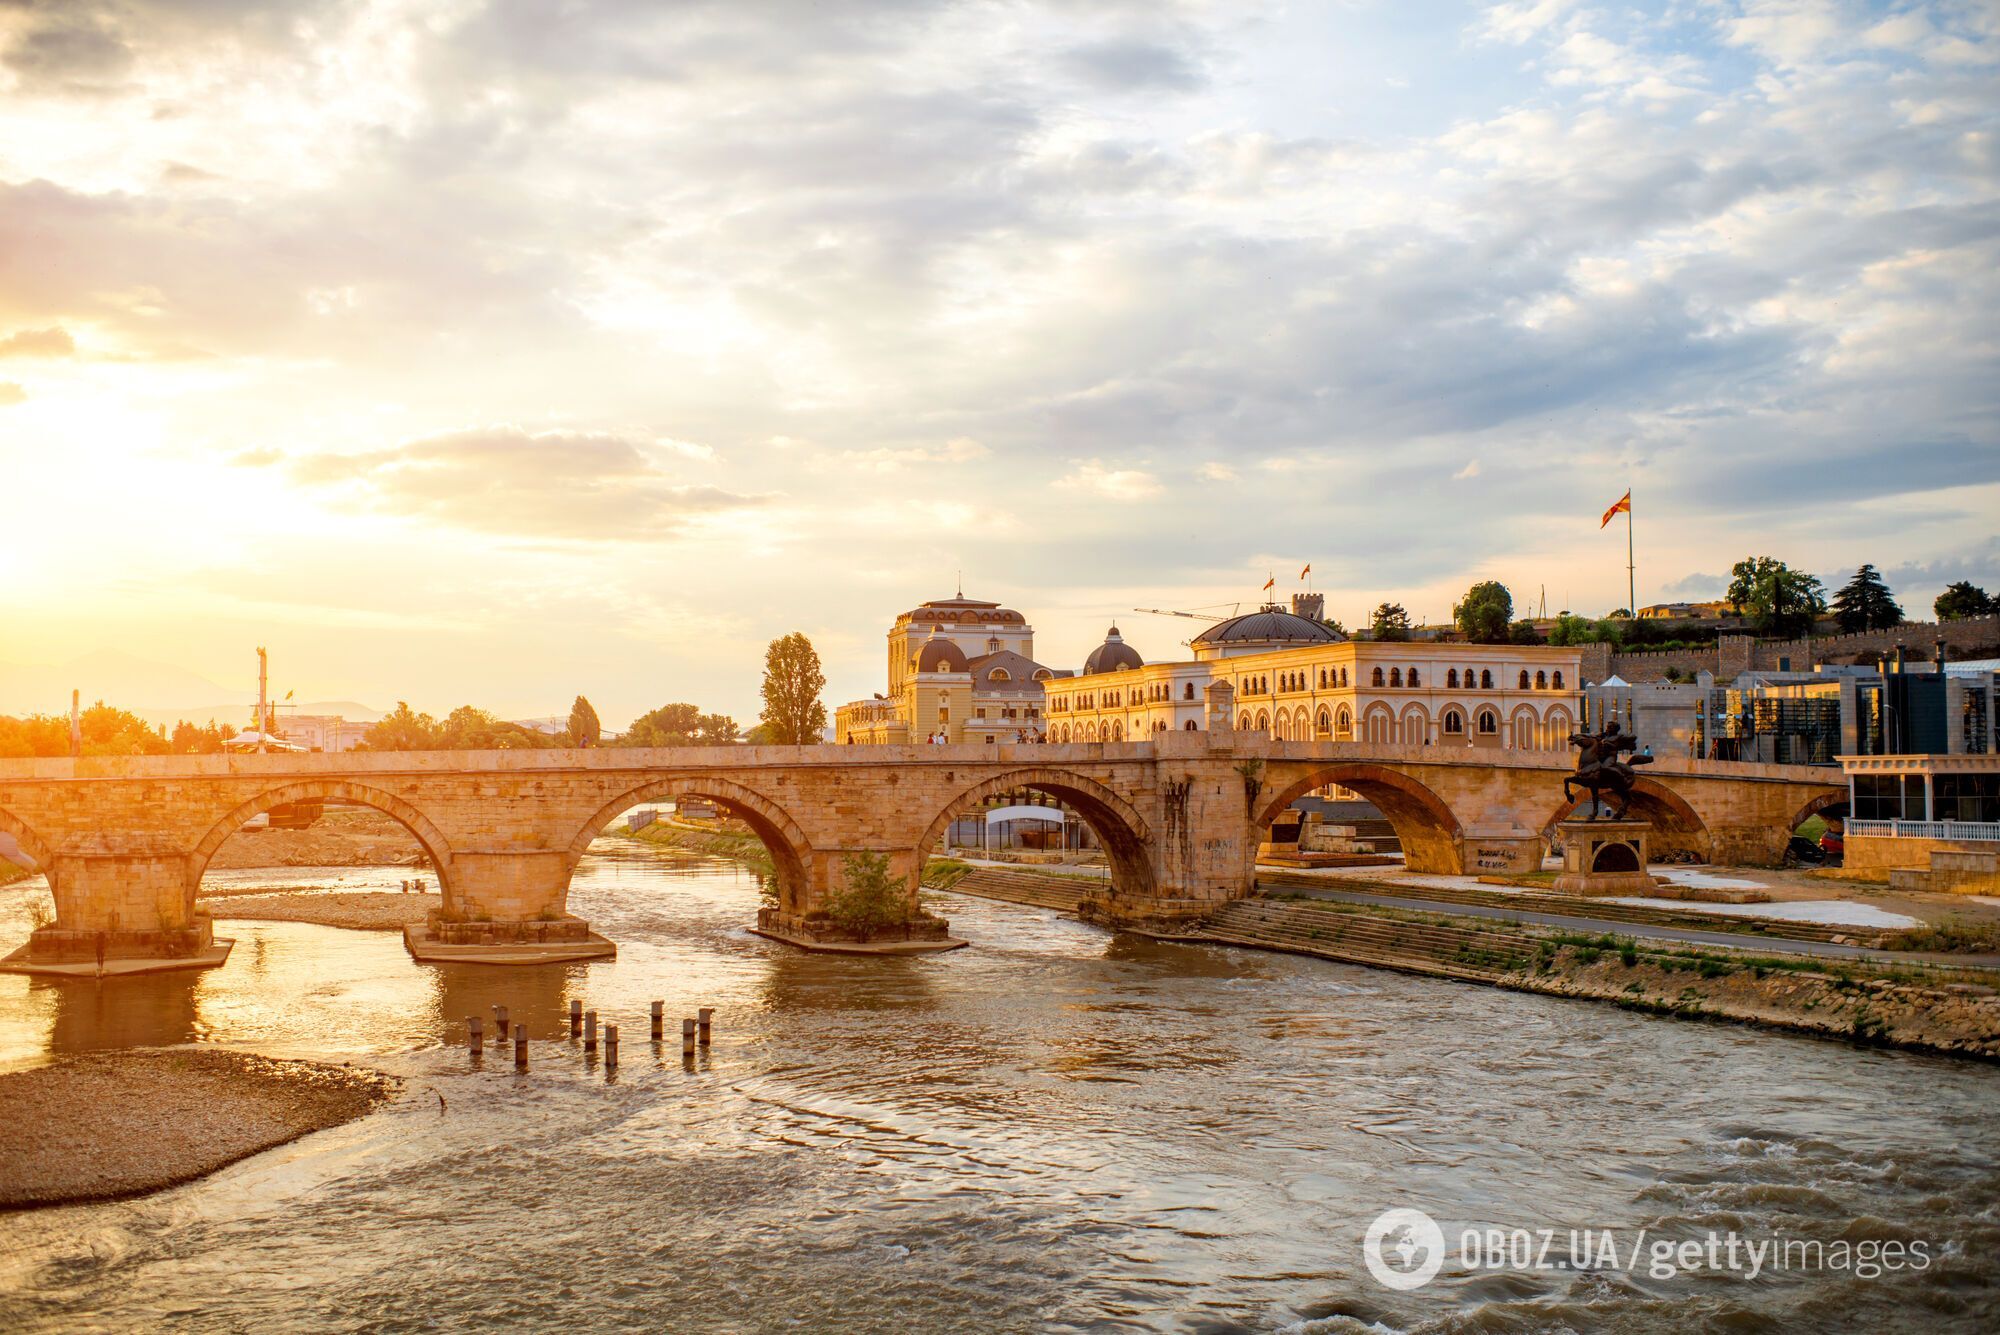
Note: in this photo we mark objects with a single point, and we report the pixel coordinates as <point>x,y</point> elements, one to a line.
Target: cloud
<point>1130,64</point>
<point>1470,470</point>
<point>11,394</point>
<point>258,458</point>
<point>1216,472</point>
<point>1121,484</point>
<point>54,342</point>
<point>583,486</point>
<point>882,459</point>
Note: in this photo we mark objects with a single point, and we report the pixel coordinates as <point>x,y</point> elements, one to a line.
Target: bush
<point>873,898</point>
<point>41,912</point>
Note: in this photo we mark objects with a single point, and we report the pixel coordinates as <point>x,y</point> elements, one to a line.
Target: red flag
<point>1270,583</point>
<point>1307,571</point>
<point>1624,506</point>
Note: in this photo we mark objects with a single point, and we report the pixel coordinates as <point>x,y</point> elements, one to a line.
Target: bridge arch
<point>436,847</point>
<point>31,843</point>
<point>791,852</point>
<point>1826,801</point>
<point>1678,828</point>
<point>1425,824</point>
<point>1117,825</point>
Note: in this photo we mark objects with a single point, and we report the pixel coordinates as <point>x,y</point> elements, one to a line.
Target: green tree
<point>793,713</point>
<point>680,725</point>
<point>584,729</point>
<point>1962,599</point>
<point>1482,615</point>
<point>403,729</point>
<point>1864,603</point>
<point>1573,630</point>
<point>1523,632</point>
<point>1389,622</point>
<point>872,897</point>
<point>1777,599</point>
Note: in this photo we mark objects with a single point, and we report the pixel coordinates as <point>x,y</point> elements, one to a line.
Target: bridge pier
<point>129,899</point>
<point>506,906</point>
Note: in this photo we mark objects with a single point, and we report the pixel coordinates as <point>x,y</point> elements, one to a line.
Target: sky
<point>489,351</point>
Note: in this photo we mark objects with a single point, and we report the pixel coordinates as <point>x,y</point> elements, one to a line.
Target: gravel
<point>110,1124</point>
<point>364,910</point>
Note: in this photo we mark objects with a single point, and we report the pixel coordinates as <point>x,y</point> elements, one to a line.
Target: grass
<point>944,873</point>
<point>1955,936</point>
<point>9,873</point>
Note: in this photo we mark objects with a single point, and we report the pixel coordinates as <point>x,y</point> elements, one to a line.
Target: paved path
<point>1691,936</point>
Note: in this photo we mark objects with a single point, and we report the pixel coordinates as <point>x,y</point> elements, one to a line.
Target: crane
<point>1197,616</point>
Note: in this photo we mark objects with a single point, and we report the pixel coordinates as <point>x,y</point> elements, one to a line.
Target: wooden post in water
<point>659,1020</point>
<point>575,1017</point>
<point>500,1025</point>
<point>590,1031</point>
<point>707,1015</point>
<point>520,1047</point>
<point>687,1039</point>
<point>475,1033</point>
<point>610,1046</point>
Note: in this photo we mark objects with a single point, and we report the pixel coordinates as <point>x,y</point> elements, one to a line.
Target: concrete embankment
<point>160,1117</point>
<point>1932,1009</point>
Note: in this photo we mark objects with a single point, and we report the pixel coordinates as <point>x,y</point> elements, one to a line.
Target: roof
<point>963,611</point>
<point>1270,624</point>
<point>1114,655</point>
<point>940,655</point>
<point>1019,668</point>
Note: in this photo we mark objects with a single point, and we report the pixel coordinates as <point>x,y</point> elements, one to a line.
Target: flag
<point>1624,506</point>
<point>288,695</point>
<point>1307,571</point>
<point>1270,583</point>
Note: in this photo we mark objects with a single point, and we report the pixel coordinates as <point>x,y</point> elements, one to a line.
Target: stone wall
<point>1973,637</point>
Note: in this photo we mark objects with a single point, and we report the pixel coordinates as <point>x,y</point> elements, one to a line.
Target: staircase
<point>1468,953</point>
<point>1038,889</point>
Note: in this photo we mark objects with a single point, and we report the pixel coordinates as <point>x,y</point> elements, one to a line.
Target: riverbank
<point>736,845</point>
<point>159,1117</point>
<point>358,910</point>
<point>343,837</point>
<point>1920,1007</point>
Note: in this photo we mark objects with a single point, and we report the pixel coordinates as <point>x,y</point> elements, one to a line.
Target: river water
<point>1056,1129</point>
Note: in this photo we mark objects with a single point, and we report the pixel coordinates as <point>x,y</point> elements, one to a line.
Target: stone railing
<point>1965,830</point>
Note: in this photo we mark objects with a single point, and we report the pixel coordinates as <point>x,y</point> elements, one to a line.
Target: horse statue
<point>1600,771</point>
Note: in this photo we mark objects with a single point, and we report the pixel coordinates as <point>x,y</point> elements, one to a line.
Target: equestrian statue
<point>1600,771</point>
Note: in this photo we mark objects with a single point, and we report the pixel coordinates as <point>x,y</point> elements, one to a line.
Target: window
<point>998,674</point>
<point>1395,676</point>
<point>1541,681</point>
<point>1324,724</point>
<point>1485,680</point>
<point>1454,722</point>
<point>1042,674</point>
<point>1190,696</point>
<point>979,713</point>
<point>1378,676</point>
<point>1188,726</point>
<point>1344,722</point>
<point>1524,679</point>
<point>1451,678</point>
<point>1415,680</point>
<point>1489,723</point>
<point>992,645</point>
<point>1557,681</point>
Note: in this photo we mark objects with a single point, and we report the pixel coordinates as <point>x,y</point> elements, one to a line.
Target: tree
<point>1523,632</point>
<point>403,729</point>
<point>1389,622</point>
<point>1963,599</point>
<point>1777,599</point>
<point>680,725</point>
<point>1573,630</point>
<point>793,713</point>
<point>584,729</point>
<point>1482,615</point>
<point>1863,603</point>
<point>872,898</point>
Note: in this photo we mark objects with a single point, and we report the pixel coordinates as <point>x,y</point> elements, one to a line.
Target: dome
<point>940,655</point>
<point>1270,624</point>
<point>1112,656</point>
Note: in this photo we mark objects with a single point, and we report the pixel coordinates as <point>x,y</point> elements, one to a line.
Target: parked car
<point>1803,852</point>
<point>1833,846</point>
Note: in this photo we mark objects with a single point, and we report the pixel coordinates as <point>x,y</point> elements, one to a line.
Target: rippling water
<point>1054,1130</point>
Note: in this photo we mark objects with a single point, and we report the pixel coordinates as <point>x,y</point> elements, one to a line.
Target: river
<point>1056,1129</point>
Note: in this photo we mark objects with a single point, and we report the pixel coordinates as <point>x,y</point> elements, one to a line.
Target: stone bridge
<point>125,840</point>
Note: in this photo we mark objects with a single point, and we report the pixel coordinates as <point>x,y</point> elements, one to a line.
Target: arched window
<point>999,674</point>
<point>1324,723</point>
<point>1557,680</point>
<point>1189,696</point>
<point>1541,681</point>
<point>1242,723</point>
<point>1489,723</point>
<point>1343,676</point>
<point>1454,722</point>
<point>1524,679</point>
<point>1378,676</point>
<point>1415,680</point>
<point>1485,679</point>
<point>1470,677</point>
<point>1343,722</point>
<point>1188,726</point>
<point>1042,674</point>
<point>992,645</point>
<point>1451,677</point>
<point>1263,722</point>
<point>1395,676</point>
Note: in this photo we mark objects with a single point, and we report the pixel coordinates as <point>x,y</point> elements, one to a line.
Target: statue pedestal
<point>1604,857</point>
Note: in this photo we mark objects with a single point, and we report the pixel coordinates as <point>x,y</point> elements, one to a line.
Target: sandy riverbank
<point>343,837</point>
<point>158,1117</point>
<point>362,910</point>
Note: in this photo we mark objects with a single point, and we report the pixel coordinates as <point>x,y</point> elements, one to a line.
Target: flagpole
<point>1631,575</point>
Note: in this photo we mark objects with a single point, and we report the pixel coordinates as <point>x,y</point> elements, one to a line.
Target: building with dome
<point>1291,676</point>
<point>960,667</point>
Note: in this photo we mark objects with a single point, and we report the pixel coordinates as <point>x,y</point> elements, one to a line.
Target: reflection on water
<point>1056,1129</point>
